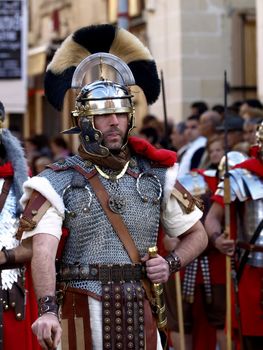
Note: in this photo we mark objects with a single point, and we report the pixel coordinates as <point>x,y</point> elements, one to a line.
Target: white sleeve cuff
<point>50,223</point>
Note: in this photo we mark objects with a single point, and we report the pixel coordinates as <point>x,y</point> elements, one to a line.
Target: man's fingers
<point>158,278</point>
<point>145,258</point>
<point>155,261</point>
<point>56,337</point>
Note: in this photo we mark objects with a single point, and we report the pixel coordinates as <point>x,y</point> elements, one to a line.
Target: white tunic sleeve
<point>51,222</point>
<point>175,220</point>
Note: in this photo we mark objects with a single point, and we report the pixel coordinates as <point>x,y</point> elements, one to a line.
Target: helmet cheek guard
<point>91,138</point>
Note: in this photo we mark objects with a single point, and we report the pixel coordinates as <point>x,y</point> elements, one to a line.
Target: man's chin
<point>114,146</point>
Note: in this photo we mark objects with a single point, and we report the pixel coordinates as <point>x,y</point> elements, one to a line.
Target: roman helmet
<point>101,63</point>
<point>233,158</point>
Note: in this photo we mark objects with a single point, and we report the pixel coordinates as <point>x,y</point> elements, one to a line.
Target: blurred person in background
<point>198,107</point>
<point>151,135</point>
<point>235,137</point>
<point>39,164</point>
<point>196,146</point>
<point>59,148</point>
<point>215,150</point>
<point>37,145</point>
<point>219,109</point>
<point>250,130</point>
<point>208,123</point>
<point>178,139</point>
<point>250,103</point>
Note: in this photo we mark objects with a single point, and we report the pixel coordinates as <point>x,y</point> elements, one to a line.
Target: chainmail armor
<point>92,239</point>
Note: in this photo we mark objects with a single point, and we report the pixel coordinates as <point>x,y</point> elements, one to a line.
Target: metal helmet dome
<point>233,158</point>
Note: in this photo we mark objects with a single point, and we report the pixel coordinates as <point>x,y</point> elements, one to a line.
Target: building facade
<point>192,41</point>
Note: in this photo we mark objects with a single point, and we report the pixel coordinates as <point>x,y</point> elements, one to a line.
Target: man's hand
<point>157,269</point>
<point>48,331</point>
<point>224,245</point>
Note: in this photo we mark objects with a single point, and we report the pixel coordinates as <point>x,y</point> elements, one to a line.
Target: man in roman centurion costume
<point>110,197</point>
<point>17,310</point>
<point>245,243</point>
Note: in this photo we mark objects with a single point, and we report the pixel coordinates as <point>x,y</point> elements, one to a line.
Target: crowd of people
<point>41,151</point>
<point>199,138</point>
<point>133,227</point>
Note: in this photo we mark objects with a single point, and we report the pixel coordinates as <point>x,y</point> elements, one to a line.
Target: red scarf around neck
<point>161,157</point>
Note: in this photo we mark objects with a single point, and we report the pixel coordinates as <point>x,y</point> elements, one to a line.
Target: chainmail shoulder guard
<point>92,239</point>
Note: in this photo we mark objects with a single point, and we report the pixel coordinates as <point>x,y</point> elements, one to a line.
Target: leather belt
<point>103,273</point>
<point>250,247</point>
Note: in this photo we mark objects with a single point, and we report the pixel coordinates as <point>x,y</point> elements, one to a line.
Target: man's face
<point>192,131</point>
<point>205,125</point>
<point>114,128</point>
<point>178,140</point>
<point>234,137</point>
<point>250,133</point>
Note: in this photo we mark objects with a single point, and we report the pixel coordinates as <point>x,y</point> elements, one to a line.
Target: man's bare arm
<point>43,264</point>
<point>213,225</point>
<point>192,243</point>
<point>214,219</point>
<point>47,327</point>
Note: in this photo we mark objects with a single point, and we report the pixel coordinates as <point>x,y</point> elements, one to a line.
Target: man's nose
<point>113,119</point>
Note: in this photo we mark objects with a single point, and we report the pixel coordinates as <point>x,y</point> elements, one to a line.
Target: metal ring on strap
<point>85,209</point>
<point>145,198</point>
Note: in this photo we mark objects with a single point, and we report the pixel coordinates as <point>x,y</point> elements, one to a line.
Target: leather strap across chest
<point>115,219</point>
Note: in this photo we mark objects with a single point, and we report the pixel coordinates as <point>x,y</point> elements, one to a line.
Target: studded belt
<point>103,273</point>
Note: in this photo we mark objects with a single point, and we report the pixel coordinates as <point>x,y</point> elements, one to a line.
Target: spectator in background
<point>198,107</point>
<point>39,164</point>
<point>151,135</point>
<point>35,146</point>
<point>165,140</point>
<point>235,107</point>
<point>235,139</point>
<point>151,121</point>
<point>247,112</point>
<point>250,128</point>
<point>215,150</point>
<point>219,109</point>
<point>252,102</point>
<point>191,158</point>
<point>208,123</point>
<point>59,148</point>
<point>178,139</point>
